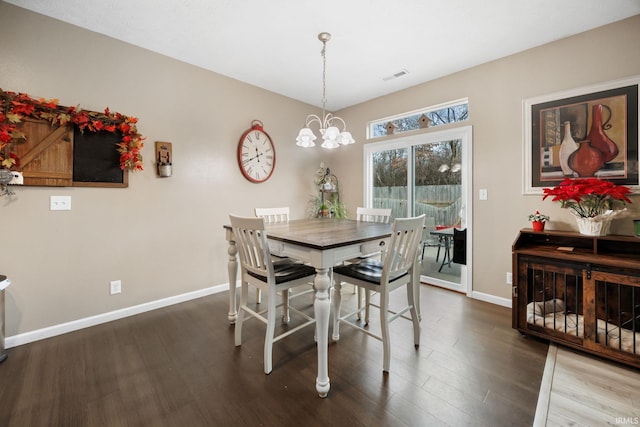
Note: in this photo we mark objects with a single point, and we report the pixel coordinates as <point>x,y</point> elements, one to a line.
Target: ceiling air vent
<point>395,75</point>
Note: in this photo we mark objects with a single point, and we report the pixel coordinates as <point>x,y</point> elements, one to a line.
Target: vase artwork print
<point>582,153</point>
<point>585,132</point>
<point>589,132</point>
<point>567,147</point>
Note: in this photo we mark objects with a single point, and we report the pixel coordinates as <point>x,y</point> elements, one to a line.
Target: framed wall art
<point>584,132</point>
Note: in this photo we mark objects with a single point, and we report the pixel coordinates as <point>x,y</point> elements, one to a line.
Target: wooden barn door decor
<point>37,137</point>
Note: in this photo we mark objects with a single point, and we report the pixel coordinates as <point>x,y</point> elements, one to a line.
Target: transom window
<point>437,115</point>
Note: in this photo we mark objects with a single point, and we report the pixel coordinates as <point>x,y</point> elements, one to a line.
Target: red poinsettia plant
<point>588,197</point>
<point>15,106</point>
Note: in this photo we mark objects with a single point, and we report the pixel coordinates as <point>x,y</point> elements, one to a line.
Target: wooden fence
<point>441,202</point>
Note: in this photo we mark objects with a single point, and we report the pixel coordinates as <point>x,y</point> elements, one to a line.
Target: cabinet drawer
<point>374,246</point>
<point>276,248</point>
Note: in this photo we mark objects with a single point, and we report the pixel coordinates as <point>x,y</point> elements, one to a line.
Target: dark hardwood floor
<point>178,366</point>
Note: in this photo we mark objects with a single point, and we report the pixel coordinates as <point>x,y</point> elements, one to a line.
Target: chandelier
<point>332,136</point>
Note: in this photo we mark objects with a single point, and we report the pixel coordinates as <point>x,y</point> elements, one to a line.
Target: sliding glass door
<point>428,174</point>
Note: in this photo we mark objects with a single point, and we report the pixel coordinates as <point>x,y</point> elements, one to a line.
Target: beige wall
<point>163,237</point>
<point>496,91</point>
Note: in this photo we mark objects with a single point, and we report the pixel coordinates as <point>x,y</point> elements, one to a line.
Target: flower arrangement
<point>538,217</point>
<point>15,106</point>
<point>588,197</point>
<point>592,201</point>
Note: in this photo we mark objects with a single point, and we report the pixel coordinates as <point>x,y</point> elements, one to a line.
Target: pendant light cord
<point>324,77</point>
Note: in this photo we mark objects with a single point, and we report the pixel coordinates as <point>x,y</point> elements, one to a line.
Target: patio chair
<point>430,241</point>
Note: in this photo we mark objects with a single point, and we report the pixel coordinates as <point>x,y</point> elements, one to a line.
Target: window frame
<point>384,120</point>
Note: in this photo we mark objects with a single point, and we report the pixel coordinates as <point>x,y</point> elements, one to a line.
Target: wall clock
<point>256,153</point>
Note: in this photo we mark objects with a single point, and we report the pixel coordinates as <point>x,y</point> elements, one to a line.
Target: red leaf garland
<point>15,106</point>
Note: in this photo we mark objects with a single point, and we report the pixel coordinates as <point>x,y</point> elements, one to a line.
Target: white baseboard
<point>63,328</point>
<point>505,302</point>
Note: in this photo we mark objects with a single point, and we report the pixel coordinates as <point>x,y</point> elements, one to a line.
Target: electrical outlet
<point>115,287</point>
<point>509,278</point>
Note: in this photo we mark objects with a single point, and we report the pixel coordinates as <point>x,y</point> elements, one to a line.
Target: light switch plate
<point>60,203</point>
<point>483,194</point>
<point>115,287</point>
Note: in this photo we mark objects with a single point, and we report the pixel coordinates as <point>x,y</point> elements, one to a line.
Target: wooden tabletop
<point>320,233</point>
<point>324,233</point>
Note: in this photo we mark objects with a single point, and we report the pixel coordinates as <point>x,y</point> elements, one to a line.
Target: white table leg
<point>336,300</point>
<point>232,267</point>
<point>321,307</point>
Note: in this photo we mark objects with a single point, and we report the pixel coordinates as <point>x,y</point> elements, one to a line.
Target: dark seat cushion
<point>288,270</point>
<point>369,270</point>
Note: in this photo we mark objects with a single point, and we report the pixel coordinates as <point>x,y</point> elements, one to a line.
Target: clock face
<point>256,155</point>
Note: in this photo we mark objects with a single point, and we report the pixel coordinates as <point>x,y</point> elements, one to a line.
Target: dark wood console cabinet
<point>579,291</point>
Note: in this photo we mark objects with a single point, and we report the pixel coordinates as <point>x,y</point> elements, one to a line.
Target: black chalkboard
<point>96,161</point>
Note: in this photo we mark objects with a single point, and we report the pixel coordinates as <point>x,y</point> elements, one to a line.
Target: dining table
<point>321,243</point>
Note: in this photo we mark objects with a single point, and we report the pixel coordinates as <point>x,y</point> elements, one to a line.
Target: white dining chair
<point>373,214</point>
<point>393,272</point>
<point>272,216</point>
<point>382,215</point>
<point>259,270</point>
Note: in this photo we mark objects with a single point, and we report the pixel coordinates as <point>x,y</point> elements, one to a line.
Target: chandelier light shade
<point>332,136</point>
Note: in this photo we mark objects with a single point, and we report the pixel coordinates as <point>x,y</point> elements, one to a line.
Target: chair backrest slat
<point>273,215</point>
<point>403,247</point>
<point>373,214</point>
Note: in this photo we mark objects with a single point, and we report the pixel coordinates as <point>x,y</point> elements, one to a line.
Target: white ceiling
<point>273,44</point>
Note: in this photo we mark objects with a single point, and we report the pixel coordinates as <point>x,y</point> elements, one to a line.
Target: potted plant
<point>593,201</point>
<point>318,208</point>
<point>164,169</point>
<point>538,220</point>
<point>338,210</point>
<point>326,204</point>
<point>323,210</point>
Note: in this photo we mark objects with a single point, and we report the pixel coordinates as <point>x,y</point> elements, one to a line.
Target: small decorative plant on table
<point>538,220</point>
<point>593,201</point>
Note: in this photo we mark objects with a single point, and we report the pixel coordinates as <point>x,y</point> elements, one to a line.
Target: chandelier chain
<point>328,123</point>
<point>324,76</point>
